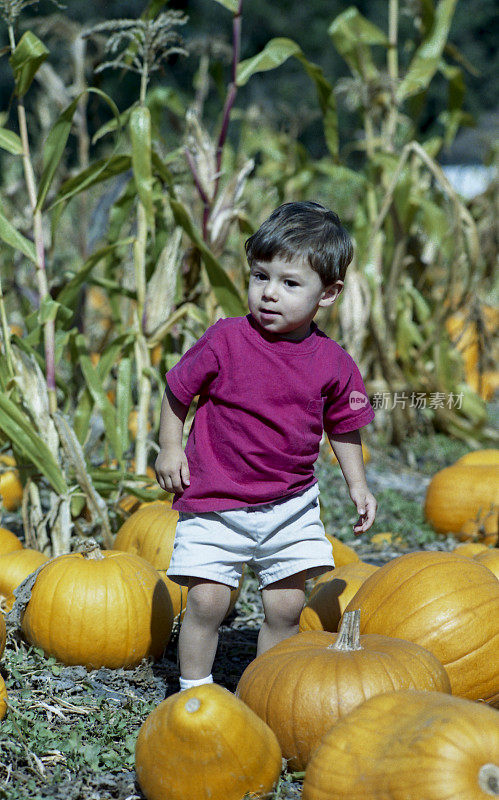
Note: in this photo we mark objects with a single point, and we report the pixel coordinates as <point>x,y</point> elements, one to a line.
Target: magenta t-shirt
<point>263,404</point>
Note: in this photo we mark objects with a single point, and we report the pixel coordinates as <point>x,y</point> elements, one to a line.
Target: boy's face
<point>283,296</point>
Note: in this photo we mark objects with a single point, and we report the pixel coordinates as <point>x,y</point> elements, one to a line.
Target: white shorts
<point>276,540</point>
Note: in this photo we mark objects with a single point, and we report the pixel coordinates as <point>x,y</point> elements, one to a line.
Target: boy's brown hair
<point>304,229</point>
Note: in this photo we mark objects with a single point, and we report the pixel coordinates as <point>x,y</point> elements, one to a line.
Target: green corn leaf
<point>49,309</point>
<point>124,400</point>
<point>99,171</point>
<point>426,60</point>
<point>19,430</point>
<point>140,134</point>
<point>230,5</point>
<point>57,140</point>
<point>26,60</point>
<point>70,291</point>
<point>16,240</point>
<point>353,35</point>
<point>223,288</point>
<point>275,53</point>
<point>101,400</point>
<point>11,142</point>
<point>113,125</point>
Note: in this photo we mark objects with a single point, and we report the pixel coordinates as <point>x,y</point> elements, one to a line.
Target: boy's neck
<point>276,337</point>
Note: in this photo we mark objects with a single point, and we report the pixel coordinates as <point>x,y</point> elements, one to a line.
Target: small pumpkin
<point>444,602</point>
<point>329,599</point>
<point>490,559</point>
<point>458,493</point>
<point>304,684</point>
<point>9,541</point>
<point>470,549</point>
<point>150,533</point>
<point>202,743</point>
<point>11,488</point>
<point>488,456</point>
<point>342,553</point>
<point>3,698</point>
<point>99,609</point>
<point>16,566</point>
<point>408,745</point>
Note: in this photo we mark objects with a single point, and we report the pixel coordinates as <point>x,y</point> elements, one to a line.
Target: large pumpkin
<point>444,602</point>
<point>459,493</point>
<point>16,566</point>
<point>9,541</point>
<point>304,684</point>
<point>150,533</point>
<point>408,746</point>
<point>490,559</point>
<point>98,611</point>
<point>205,743</point>
<point>329,599</point>
<point>489,456</point>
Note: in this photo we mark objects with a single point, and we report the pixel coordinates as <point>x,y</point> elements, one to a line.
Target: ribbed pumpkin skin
<point>3,697</point>
<point>9,541</point>
<point>300,687</point>
<point>220,749</point>
<point>489,559</point>
<point>329,599</point>
<point>3,635</point>
<point>458,493</point>
<point>444,602</point>
<point>150,533</point>
<point>407,746</point>
<point>470,549</point>
<point>16,566</point>
<point>111,612</point>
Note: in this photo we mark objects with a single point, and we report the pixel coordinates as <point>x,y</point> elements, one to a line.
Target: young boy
<point>269,383</point>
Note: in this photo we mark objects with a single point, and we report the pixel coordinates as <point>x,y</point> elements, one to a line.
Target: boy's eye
<point>292,283</point>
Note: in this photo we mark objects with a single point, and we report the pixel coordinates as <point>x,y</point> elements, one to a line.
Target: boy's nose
<point>270,292</point>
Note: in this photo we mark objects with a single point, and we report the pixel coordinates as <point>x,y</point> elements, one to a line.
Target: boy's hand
<point>366,505</point>
<point>172,469</point>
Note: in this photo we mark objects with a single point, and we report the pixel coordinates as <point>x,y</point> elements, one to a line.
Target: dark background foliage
<point>286,96</point>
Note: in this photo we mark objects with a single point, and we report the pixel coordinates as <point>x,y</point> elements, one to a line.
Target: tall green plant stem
<point>41,274</point>
<point>393,69</point>
<point>142,353</point>
<point>5,331</point>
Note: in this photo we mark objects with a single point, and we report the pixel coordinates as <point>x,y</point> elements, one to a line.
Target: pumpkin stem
<point>349,633</point>
<point>488,779</point>
<point>193,704</point>
<point>89,549</point>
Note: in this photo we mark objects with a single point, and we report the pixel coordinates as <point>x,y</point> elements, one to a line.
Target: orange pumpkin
<point>458,493</point>
<point>483,528</point>
<point>304,684</point>
<point>99,610</point>
<point>489,559</point>
<point>3,698</point>
<point>204,743</point>
<point>16,566</point>
<point>444,602</point>
<point>408,745</point>
<point>9,541</point>
<point>329,599</point>
<point>470,549</point>
<point>489,456</point>
<point>11,488</point>
<point>150,533</point>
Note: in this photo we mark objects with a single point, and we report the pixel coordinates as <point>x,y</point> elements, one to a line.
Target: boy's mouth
<point>268,311</point>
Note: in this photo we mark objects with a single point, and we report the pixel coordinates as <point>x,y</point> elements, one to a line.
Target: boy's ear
<point>330,293</point>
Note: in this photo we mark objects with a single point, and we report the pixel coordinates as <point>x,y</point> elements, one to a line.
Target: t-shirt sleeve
<point>195,370</point>
<point>347,407</point>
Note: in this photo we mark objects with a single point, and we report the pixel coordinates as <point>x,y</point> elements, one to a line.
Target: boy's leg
<point>206,606</point>
<point>283,603</point>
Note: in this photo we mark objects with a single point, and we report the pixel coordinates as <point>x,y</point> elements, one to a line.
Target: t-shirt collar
<point>274,342</point>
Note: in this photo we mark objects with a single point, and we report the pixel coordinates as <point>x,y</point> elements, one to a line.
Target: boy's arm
<point>172,469</point>
<point>347,448</point>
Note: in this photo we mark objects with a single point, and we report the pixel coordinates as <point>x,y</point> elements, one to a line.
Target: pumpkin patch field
<point>89,707</point>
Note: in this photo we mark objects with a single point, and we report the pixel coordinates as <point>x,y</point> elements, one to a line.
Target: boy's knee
<point>208,600</point>
<point>283,606</point>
